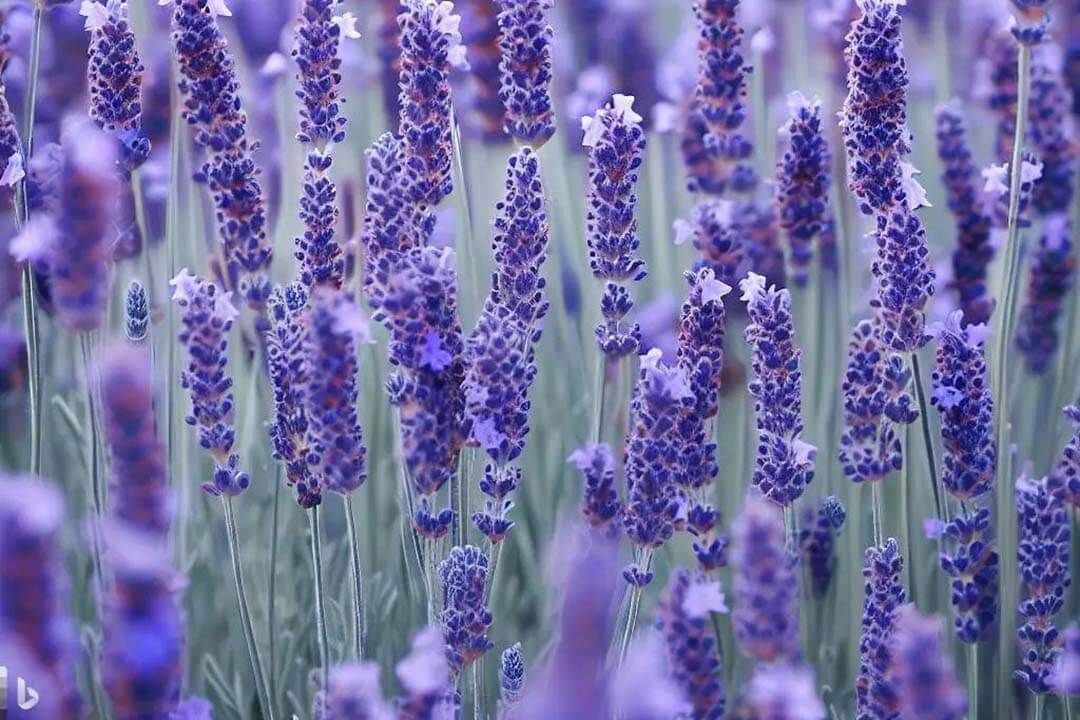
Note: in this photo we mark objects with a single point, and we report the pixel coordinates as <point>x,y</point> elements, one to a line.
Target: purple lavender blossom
<point>142,654</point>
<point>1066,475</point>
<point>525,38</point>
<point>616,144</point>
<point>207,316</point>
<point>12,358</point>
<point>193,708</point>
<point>288,370</point>
<point>803,179</point>
<point>693,656</point>
<point>336,452</point>
<point>209,84</point>
<point>766,615</point>
<point>1066,677</point>
<point>1004,91</point>
<point>520,242</point>
<point>512,676</point>
<point>701,338</point>
<point>136,313</point>
<point>715,236</point>
<point>782,692</point>
<point>12,165</point>
<point>601,507</point>
<point>1030,21</point>
<point>785,463</point>
<point>817,539</point>
<point>642,687</point>
<point>876,690</point>
<point>480,34</point>
<point>138,485</point>
<point>430,45</point>
<point>34,586</point>
<point>353,691</point>
<point>974,250</point>
<point>424,675</point>
<point>904,279</point>
<point>465,618</point>
<point>970,560</point>
<point>388,50</point>
<point>761,227</point>
<point>923,672</point>
<point>1043,558</point>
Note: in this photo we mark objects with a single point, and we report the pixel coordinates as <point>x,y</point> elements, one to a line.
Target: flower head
<point>486,120</point>
<point>520,241</point>
<point>803,183</point>
<point>424,675</point>
<point>353,691</point>
<point>904,278</point>
<point>525,38</point>
<point>783,692</point>
<point>817,538</point>
<point>970,560</point>
<point>692,652</point>
<point>717,238</point>
<point>701,338</point>
<point>925,679</point>
<point>136,313</point>
<point>876,690</point>
<point>465,618</point>
<point>601,506</point>
<point>511,675</point>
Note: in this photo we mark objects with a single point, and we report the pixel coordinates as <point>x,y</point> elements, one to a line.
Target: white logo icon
<point>27,697</point>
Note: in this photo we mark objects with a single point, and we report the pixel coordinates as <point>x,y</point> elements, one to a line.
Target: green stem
<point>601,391</point>
<point>358,581</point>
<point>927,436</point>
<point>320,601</point>
<point>875,499</point>
<point>245,614</point>
<point>271,620</point>
<point>633,607</point>
<point>1039,700</point>
<point>973,680</point>
<point>92,423</point>
<point>139,203</point>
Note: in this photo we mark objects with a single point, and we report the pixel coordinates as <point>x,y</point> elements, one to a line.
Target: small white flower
<point>997,180</point>
<point>347,22</point>
<point>95,13</point>
<point>915,192</point>
<point>1030,171</point>
<point>184,285</point>
<point>804,452</point>
<point>713,290</point>
<point>752,286</point>
<point>651,360</point>
<point>275,66</point>
<point>623,107</point>
<point>35,242</point>
<point>703,598</point>
<point>13,171</point>
<point>593,128</point>
<point>218,7</point>
<point>763,40</point>
<point>684,231</point>
<point>796,101</point>
<point>350,319</point>
<point>224,309</point>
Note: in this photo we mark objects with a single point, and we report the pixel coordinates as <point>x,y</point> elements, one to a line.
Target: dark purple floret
<point>760,226</point>
<point>209,85</point>
<point>817,539</point>
<point>784,464</point>
<point>353,692</point>
<point>525,38</point>
<point>512,676</point>
<point>424,675</point>
<point>520,242</point>
<point>138,486</point>
<point>315,50</point>
<point>716,237</point>
<point>388,51</point>
<point>142,653</point>
<point>922,670</point>
<point>601,507</point>
<point>1043,558</point>
<point>34,586</point>
<point>465,618</point>
<point>970,560</point>
<point>1051,139</point>
<point>701,339</point>
<point>803,180</point>
<point>12,163</point>
<point>904,279</point>
<point>766,615</point>
<point>207,316</point>
<point>486,119</point>
<point>1066,477</point>
<point>1031,21</point>
<point>136,313</point>
<point>877,695</point>
<point>1004,89</point>
<point>693,656</point>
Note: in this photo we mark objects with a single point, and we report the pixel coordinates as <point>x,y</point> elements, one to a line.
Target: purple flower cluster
<point>616,144</point>
<point>210,87</point>
<point>1031,21</point>
<point>525,41</point>
<point>817,539</point>
<point>424,676</point>
<point>353,691</point>
<point>803,180</point>
<point>719,162</point>
<point>480,33</point>
<point>784,465</point>
<point>766,615</point>
<point>136,313</point>
<point>601,507</point>
<point>511,676</point>
<point>12,164</point>
<point>974,249</point>
<point>388,51</point>
<point>693,656</point>
<point>1066,475</point>
<point>905,279</point>
<point>922,671</point>
<point>33,585</point>
<point>1004,91</point>
<point>968,557</point>
<point>1066,677</point>
<point>465,618</point>
<point>142,653</point>
<point>716,237</point>
<point>876,690</point>
<point>1043,558</point>
<point>701,338</point>
<point>520,242</point>
<point>207,316</point>
<point>764,250</point>
<point>782,691</point>
<point>138,487</point>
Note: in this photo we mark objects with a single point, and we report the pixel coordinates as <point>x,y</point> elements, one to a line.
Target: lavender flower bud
<point>923,672</point>
<point>430,45</point>
<point>34,586</point>
<point>904,279</point>
<point>785,463</point>
<point>817,540</point>
<point>480,33</point>
<point>876,689</point>
<point>601,507</point>
<point>974,250</point>
<point>138,486</point>
<point>1031,21</point>
<point>783,692</point>
<point>701,339</point>
<point>1043,558</point>
<point>136,313</point>
<point>1066,475</point>
<point>424,675</point>
<point>464,618</point>
<point>525,40</point>
<point>970,560</point>
<point>142,654</point>
<point>207,316</point>
<point>693,656</point>
<point>1066,677</point>
<point>353,691</point>
<point>211,91</point>
<point>12,164</point>
<point>766,615</point>
<point>520,242</point>
<point>511,675</point>
<point>716,237</point>
<point>1053,267</point>
<point>803,183</point>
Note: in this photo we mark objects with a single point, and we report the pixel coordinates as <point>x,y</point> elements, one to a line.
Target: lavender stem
<point>928,438</point>
<point>358,581</point>
<point>320,602</point>
<point>140,222</point>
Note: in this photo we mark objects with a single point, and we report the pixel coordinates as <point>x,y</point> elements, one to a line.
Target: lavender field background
<point>348,373</point>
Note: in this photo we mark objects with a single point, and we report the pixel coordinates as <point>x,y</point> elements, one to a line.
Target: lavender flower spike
<point>136,313</point>
<point>817,539</point>
<point>1066,475</point>
<point>720,243</point>
<point>616,144</point>
<point>12,163</point>
<point>1066,677</point>
<point>701,338</point>
<point>925,679</point>
<point>1030,23</point>
<point>464,618</point>
<point>424,676</point>
<point>803,183</point>
<point>353,691</point>
<point>693,655</point>
<point>525,38</point>
<point>783,692</point>
<point>207,316</point>
<point>601,507</point>
<point>876,691</point>
<point>211,92</point>
<point>904,279</point>
<point>138,486</point>
<point>486,120</point>
<point>785,463</point>
<point>766,614</point>
<point>512,676</point>
<point>34,586</point>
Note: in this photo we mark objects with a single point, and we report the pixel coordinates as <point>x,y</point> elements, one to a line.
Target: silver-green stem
<point>320,601</point>
<point>973,680</point>
<point>875,496</point>
<point>358,581</point>
<point>271,616</point>
<point>599,394</point>
<point>927,436</point>
<point>633,607</point>
<point>139,203</point>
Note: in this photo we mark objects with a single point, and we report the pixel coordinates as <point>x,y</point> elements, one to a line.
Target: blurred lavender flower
<point>525,41</point>
<point>424,675</point>
<point>642,687</point>
<point>12,163</point>
<point>136,313</point>
<point>766,615</point>
<point>194,708</point>
<point>1000,56</point>
<point>1066,476</point>
<point>925,679</point>
<point>209,85</point>
<point>803,180</point>
<point>876,690</point>
<point>761,227</point>
<point>353,691</point>
<point>480,34</point>
<point>974,250</point>
<point>142,654</point>
<point>817,539</point>
<point>715,236</point>
<point>785,463</point>
<point>616,144</point>
<point>782,692</point>
<point>511,676</point>
<point>601,507</point>
<point>520,242</point>
<point>1066,676</point>
<point>970,560</point>
<point>1043,557</point>
<point>388,50</point>
<point>12,358</point>
<point>1030,23</point>
<point>207,316</point>
<point>335,451</point>
<point>465,618</point>
<point>34,586</point>
<point>693,656</point>
<point>138,488</point>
